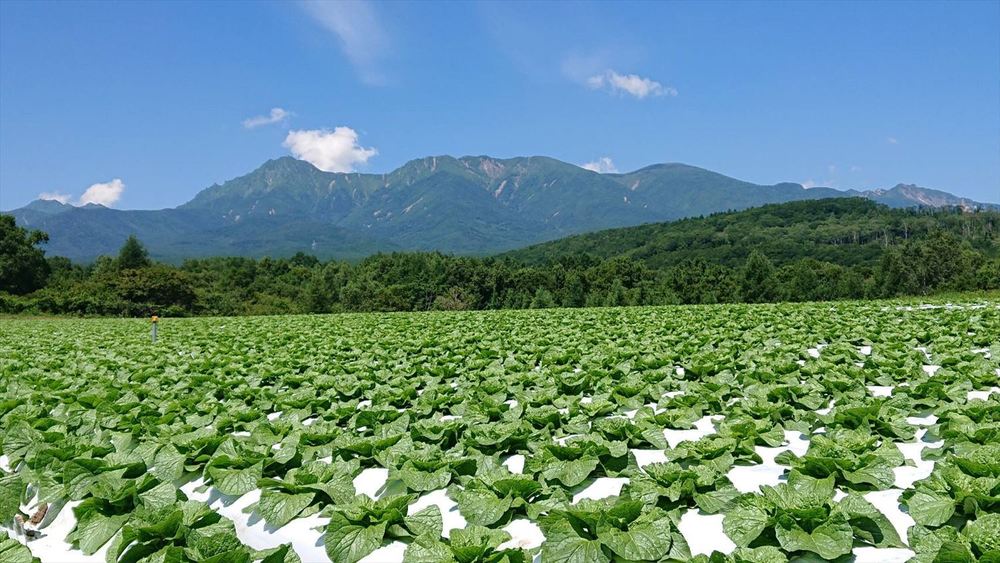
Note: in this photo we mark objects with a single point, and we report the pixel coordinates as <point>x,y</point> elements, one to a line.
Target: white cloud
<point>55,196</point>
<point>361,36</point>
<point>855,168</point>
<point>810,184</point>
<point>332,151</point>
<point>603,165</point>
<point>892,140</point>
<point>631,84</point>
<point>103,194</point>
<point>277,115</point>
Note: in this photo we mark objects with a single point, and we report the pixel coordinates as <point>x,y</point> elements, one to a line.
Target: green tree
<point>573,291</point>
<point>895,275</point>
<point>64,272</point>
<point>617,296</point>
<point>23,268</point>
<point>988,275</point>
<point>697,281</point>
<point>662,293</point>
<point>946,262</point>
<point>322,294</point>
<point>543,299</point>
<point>133,255</point>
<point>455,299</point>
<point>759,279</point>
<point>154,290</point>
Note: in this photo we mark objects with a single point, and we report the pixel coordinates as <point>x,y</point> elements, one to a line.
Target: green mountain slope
<point>674,191</point>
<point>846,231</point>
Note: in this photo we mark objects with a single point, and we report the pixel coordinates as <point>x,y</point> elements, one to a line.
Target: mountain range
<point>467,205</point>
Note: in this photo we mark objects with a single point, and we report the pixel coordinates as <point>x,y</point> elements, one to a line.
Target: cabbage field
<point>731,433</point>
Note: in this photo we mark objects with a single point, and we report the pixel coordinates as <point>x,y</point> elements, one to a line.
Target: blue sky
<point>143,104</point>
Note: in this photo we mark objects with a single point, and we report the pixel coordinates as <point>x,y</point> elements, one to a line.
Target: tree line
<point>132,284</point>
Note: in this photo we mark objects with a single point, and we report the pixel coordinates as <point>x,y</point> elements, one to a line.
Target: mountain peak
<point>284,164</point>
<point>427,163</point>
<point>48,206</point>
<point>910,195</point>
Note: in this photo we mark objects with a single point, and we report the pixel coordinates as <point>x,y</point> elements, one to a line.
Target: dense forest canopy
<point>800,251</point>
<point>849,231</point>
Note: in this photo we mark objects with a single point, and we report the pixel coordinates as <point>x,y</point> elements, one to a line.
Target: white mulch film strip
<point>703,532</point>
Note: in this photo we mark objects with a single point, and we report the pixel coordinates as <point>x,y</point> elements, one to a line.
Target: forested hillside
<point>848,232</point>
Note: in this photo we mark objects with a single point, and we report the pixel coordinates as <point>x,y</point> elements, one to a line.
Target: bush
<point>147,290</point>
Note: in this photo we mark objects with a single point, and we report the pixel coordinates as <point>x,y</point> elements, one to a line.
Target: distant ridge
<point>468,205</point>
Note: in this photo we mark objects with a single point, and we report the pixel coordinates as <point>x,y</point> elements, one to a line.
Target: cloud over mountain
<point>330,151</point>
<point>603,165</point>
<point>106,193</point>
<point>55,196</point>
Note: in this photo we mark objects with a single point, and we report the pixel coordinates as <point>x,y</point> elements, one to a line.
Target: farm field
<point>729,433</point>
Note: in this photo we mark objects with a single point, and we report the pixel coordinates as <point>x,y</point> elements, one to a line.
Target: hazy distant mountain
<point>908,195</point>
<point>472,205</point>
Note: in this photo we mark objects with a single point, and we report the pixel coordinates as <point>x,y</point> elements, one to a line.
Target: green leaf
<point>517,486</point>
<point>868,523</point>
<point>18,439</point>
<point>929,509</point>
<point>350,543</point>
<point>340,489</point>
<point>645,541</point>
<point>279,508</point>
<point>715,501</point>
<point>829,540</point>
<point>168,464</point>
<point>679,548</point>
<point>164,494</point>
<point>564,545</point>
<point>168,554</point>
<point>235,482</point>
<point>417,480</point>
<point>12,551</point>
<point>197,513</point>
<point>571,473</point>
<point>425,522</point>
<point>879,476</point>
<point>954,552</point>
<point>11,491</point>
<point>765,554</point>
<point>984,532</point>
<point>168,525</point>
<point>428,548</point>
<point>212,541</point>
<point>744,523</point>
<point>481,507</point>
<point>94,530</point>
<point>280,554</point>
<point>474,542</point>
